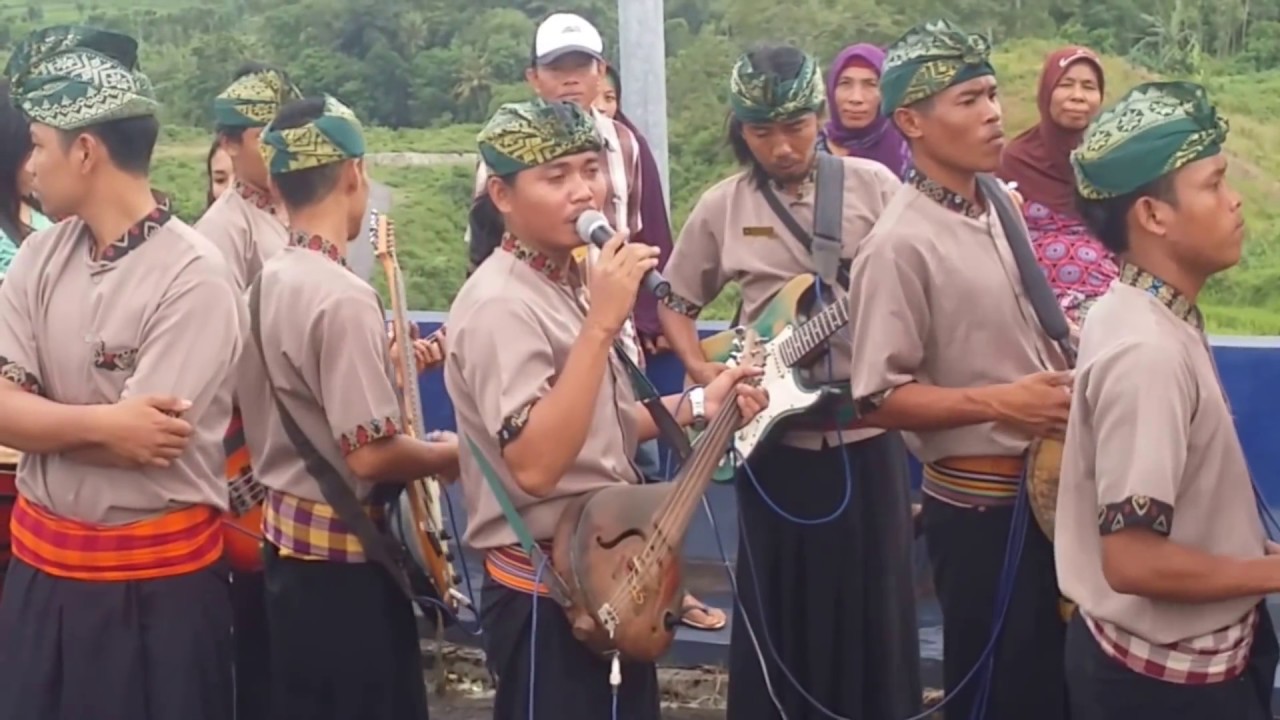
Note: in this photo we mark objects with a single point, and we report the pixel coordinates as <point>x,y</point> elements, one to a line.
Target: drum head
<point>9,457</point>
<point>1045,457</point>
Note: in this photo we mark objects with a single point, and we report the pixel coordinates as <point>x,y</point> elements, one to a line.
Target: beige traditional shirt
<point>246,225</point>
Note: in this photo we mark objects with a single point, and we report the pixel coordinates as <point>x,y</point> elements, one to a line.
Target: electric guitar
<point>242,523</point>
<point>793,340</point>
<point>415,518</point>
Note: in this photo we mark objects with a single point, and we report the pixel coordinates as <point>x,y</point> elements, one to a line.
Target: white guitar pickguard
<point>786,397</point>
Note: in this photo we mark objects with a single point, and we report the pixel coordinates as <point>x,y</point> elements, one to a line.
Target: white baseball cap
<point>564,33</point>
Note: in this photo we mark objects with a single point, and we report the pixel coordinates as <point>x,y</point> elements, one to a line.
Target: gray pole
<point>643,54</point>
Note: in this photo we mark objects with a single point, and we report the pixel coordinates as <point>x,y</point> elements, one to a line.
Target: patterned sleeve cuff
<point>366,432</point>
<point>682,306</point>
<point>1136,511</point>
<point>513,425</point>
<point>20,376</point>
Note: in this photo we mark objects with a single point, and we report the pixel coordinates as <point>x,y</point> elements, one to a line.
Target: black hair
<point>236,133</point>
<point>780,61</point>
<point>615,79</point>
<point>208,172</point>
<point>130,142</point>
<point>304,187</point>
<point>1108,219</point>
<point>486,225</point>
<point>15,148</point>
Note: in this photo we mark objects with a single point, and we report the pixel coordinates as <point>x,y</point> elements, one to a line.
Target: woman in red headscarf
<point>1078,266</point>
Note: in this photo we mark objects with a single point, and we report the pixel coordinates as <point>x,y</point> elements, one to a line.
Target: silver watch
<point>698,403</point>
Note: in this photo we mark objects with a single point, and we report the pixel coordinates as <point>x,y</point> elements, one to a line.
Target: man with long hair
<point>827,618</point>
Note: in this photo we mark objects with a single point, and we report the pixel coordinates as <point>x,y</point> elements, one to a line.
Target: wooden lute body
<point>618,550</point>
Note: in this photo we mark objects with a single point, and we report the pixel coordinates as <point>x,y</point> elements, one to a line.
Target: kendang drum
<point>8,496</point>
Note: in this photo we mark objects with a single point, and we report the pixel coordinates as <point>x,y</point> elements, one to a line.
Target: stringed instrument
<point>242,523</point>
<point>416,520</point>
<point>618,549</point>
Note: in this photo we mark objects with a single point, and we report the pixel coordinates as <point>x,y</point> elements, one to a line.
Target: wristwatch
<point>698,403</point>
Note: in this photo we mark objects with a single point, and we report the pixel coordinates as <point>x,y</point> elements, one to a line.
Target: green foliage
<point>425,73</point>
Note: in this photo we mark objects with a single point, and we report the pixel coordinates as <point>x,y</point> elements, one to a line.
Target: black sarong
<point>569,680</point>
<point>1103,689</point>
<point>252,647</point>
<point>837,599</point>
<point>967,549</point>
<point>344,643</point>
<point>130,650</point>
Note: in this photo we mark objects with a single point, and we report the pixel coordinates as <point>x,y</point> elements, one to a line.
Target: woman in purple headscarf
<point>857,128</point>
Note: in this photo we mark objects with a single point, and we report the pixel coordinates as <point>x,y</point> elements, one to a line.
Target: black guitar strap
<point>824,245</point>
<point>1034,283</point>
<point>337,493</point>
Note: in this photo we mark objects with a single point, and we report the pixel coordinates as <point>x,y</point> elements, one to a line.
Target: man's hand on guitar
<point>615,280</point>
<point>1038,404</point>
<point>705,373</point>
<point>429,352</point>
<point>447,440</point>
<point>752,400</point>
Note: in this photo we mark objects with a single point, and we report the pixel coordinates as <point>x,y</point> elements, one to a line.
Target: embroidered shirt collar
<point>308,241</point>
<point>257,198</point>
<point>536,259</point>
<point>941,195</point>
<point>1168,296</point>
<point>137,233</point>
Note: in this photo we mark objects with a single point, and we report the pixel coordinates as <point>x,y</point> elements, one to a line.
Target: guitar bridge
<point>608,617</point>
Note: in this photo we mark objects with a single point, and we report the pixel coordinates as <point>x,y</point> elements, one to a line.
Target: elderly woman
<point>1079,268</point>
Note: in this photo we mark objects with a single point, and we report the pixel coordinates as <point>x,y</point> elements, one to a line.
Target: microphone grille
<point>587,221</point>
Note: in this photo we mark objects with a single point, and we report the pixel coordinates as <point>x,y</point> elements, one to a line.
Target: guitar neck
<point>412,395</point>
<point>814,332</point>
<point>697,472</point>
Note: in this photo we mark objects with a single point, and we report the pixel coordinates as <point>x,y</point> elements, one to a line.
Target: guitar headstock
<point>382,235</point>
<point>747,350</point>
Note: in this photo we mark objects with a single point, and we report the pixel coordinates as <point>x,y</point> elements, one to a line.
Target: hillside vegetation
<point>434,69</point>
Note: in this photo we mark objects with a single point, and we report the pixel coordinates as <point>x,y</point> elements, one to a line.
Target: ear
<point>909,123</point>
<point>531,77</point>
<point>500,194</point>
<point>353,176</point>
<point>1152,215</point>
<point>88,153</point>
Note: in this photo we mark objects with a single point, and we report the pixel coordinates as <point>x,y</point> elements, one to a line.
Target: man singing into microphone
<point>547,407</point>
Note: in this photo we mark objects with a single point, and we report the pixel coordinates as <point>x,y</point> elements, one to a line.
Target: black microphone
<point>593,227</point>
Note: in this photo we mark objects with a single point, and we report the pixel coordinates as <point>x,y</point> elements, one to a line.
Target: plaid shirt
<point>1205,660</point>
<point>308,530</point>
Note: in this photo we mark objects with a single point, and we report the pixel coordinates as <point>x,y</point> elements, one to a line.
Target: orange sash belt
<point>172,544</point>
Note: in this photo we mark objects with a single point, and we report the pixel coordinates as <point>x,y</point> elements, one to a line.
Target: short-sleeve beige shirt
<point>939,301</point>
<point>511,328</point>
<point>157,314</point>
<point>244,224</point>
<point>325,339</point>
<point>1151,443</point>
<point>732,235</point>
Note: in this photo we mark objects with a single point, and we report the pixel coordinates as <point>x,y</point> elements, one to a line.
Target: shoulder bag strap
<point>337,493</point>
<point>827,221</point>
<point>1034,283</point>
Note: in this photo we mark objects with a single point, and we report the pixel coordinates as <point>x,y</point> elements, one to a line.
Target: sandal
<point>716,617</point>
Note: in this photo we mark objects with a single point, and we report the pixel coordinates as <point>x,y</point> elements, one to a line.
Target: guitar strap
<point>668,429</point>
<point>824,245</point>
<point>1034,283</point>
<point>337,493</point>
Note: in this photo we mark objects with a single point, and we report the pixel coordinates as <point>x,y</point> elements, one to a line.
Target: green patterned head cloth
<point>1153,130</point>
<point>757,96</point>
<point>70,77</point>
<point>928,59</point>
<point>331,138</point>
<point>524,135</point>
<point>254,99</point>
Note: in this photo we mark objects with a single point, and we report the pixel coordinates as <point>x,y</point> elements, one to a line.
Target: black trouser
<point>967,549</point>
<point>570,681</point>
<point>344,643</point>
<point>1103,689</point>
<point>125,650</point>
<point>834,600</point>
<point>252,646</point>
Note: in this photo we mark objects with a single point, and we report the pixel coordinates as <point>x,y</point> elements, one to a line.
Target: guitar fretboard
<point>814,332</point>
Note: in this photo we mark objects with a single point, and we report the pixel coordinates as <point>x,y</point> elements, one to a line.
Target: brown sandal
<point>717,617</point>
